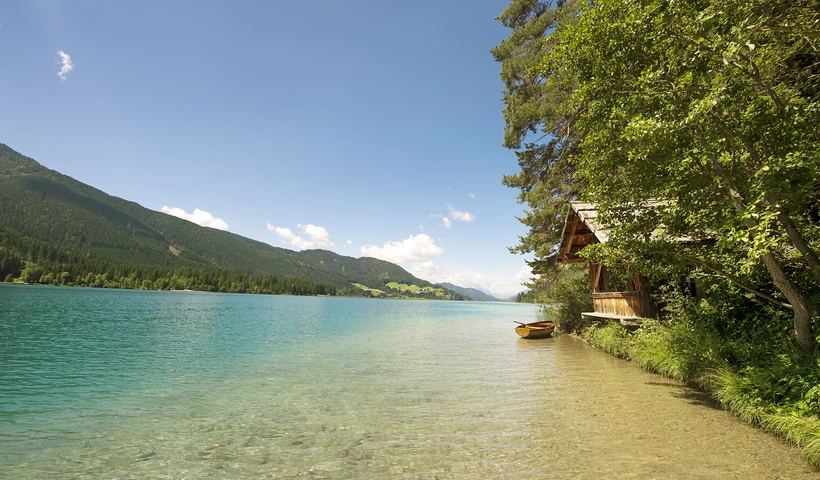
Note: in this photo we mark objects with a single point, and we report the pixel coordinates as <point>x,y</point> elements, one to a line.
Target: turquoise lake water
<point>134,384</point>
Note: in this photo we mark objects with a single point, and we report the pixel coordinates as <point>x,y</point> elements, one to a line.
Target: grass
<point>403,287</point>
<point>777,388</point>
<point>415,289</point>
<point>410,291</point>
<point>373,291</point>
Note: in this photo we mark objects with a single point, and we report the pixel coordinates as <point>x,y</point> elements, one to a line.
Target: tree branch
<point>733,280</point>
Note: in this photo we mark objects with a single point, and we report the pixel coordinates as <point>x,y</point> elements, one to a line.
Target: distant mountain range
<point>473,293</point>
<point>53,221</point>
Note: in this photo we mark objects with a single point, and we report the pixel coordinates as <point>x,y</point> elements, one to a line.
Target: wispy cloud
<point>200,217</point>
<point>67,65</point>
<point>446,222</point>
<point>349,242</point>
<point>471,195</point>
<point>419,248</point>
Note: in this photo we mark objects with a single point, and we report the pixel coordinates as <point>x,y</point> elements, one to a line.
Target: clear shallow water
<point>128,384</point>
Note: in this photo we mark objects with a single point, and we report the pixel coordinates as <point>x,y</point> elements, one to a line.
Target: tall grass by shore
<point>724,342</point>
<point>776,388</point>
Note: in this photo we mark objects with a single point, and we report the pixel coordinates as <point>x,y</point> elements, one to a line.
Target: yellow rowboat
<point>535,330</point>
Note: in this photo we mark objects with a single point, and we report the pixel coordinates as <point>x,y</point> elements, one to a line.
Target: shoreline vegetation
<point>27,260</point>
<point>690,130</point>
<point>270,285</point>
<point>757,394</point>
<point>725,344</point>
<point>264,286</point>
<point>103,274</point>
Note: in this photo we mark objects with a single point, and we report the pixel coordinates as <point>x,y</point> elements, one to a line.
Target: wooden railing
<point>618,303</point>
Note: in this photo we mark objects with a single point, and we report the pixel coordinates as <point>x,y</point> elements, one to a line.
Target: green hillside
<point>48,218</point>
<point>472,293</point>
<point>368,271</point>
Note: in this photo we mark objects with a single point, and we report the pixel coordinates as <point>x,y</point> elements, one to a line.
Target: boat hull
<point>535,330</point>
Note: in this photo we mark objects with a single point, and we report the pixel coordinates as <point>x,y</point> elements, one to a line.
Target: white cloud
<point>200,217</point>
<point>421,228</point>
<point>525,274</point>
<point>288,236</point>
<point>67,66</point>
<point>318,236</point>
<point>459,215</point>
<point>349,242</point>
<point>419,248</point>
<point>471,195</point>
<point>447,223</point>
<point>500,287</point>
<point>424,269</point>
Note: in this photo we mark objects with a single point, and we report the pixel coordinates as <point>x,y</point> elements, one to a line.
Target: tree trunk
<point>785,220</point>
<point>801,305</point>
<point>800,243</point>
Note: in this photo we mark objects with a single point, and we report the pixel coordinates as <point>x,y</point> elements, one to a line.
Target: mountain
<point>50,218</point>
<point>473,293</point>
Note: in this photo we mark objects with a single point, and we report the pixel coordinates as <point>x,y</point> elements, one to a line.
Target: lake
<point>136,384</point>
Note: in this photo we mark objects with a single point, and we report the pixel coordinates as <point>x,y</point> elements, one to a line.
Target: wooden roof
<point>581,228</point>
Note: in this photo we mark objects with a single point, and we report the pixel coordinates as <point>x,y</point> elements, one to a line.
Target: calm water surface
<point>127,384</point>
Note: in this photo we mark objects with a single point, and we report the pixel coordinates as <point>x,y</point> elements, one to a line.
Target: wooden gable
<point>581,228</point>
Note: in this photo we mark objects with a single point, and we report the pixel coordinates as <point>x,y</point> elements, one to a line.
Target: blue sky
<point>365,127</point>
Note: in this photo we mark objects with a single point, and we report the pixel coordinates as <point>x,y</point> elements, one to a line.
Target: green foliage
<point>564,298</point>
<point>699,122</point>
<point>611,337</point>
<point>372,272</point>
<point>533,295</point>
<point>570,295</point>
<point>369,292</point>
<point>537,124</point>
<point>402,290</point>
<point>403,287</point>
<point>764,379</point>
<point>693,127</point>
<point>687,120</point>
<point>42,263</point>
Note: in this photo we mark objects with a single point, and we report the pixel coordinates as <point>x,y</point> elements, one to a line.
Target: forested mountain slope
<point>45,215</point>
<point>473,293</point>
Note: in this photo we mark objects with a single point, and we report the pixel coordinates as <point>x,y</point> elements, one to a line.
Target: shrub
<point>570,295</point>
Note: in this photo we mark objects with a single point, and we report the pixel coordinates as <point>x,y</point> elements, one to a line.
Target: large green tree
<point>538,124</point>
<point>698,119</point>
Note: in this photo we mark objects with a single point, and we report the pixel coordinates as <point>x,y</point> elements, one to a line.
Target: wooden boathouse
<point>581,228</point>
